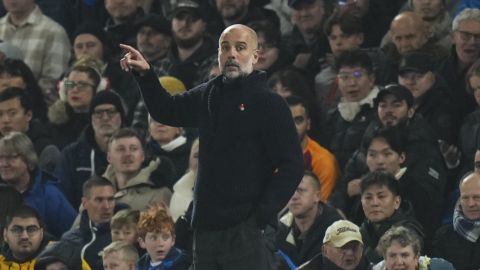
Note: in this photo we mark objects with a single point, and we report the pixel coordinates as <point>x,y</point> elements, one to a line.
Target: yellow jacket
<point>10,265</point>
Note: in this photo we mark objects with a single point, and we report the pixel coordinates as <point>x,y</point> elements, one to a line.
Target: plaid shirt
<point>44,43</point>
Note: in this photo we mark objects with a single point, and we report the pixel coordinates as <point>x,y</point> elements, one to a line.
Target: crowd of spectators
<point>384,96</point>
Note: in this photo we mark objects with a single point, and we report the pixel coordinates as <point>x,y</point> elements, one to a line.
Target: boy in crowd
<point>124,226</point>
<point>156,231</point>
<point>119,255</point>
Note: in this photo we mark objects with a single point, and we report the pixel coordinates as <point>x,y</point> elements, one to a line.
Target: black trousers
<point>242,247</point>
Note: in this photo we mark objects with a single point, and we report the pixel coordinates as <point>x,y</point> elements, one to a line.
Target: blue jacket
<point>50,203</point>
<point>176,260</point>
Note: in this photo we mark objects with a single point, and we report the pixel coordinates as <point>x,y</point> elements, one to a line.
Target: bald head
<point>470,195</point>
<point>251,34</point>
<point>237,52</point>
<point>408,32</point>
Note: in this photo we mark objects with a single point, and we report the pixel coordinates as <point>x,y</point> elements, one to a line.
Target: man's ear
<point>141,242</point>
<point>398,201</point>
<point>84,202</point>
<point>411,112</point>
<point>29,115</point>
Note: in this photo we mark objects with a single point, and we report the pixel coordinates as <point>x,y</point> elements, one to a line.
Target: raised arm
<point>179,110</point>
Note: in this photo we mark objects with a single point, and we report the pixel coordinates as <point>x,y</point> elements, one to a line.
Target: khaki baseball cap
<point>341,232</point>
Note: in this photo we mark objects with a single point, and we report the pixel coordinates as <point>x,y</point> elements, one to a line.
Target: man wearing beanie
<point>90,39</point>
<point>87,156</point>
<point>154,38</point>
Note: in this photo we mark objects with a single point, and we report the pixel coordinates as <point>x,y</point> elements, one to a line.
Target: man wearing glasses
<point>346,125</point>
<point>19,168</point>
<point>24,239</point>
<point>87,156</point>
<point>465,50</point>
<point>342,249</point>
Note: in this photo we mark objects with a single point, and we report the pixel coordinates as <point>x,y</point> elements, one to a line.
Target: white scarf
<point>349,110</point>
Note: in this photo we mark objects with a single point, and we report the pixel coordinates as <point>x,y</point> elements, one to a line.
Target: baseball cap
<point>191,7</point>
<point>400,93</point>
<point>341,232</point>
<point>155,21</point>
<point>295,3</point>
<point>416,62</point>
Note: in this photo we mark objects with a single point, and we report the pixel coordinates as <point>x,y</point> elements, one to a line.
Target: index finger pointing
<point>129,49</point>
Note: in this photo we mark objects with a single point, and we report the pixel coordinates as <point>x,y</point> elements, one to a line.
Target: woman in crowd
<point>401,249</point>
<point>68,116</point>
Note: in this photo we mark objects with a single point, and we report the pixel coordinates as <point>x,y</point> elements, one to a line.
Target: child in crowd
<point>124,226</point>
<point>156,231</point>
<point>119,255</point>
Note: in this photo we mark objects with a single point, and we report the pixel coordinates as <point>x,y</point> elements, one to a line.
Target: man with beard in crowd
<point>193,54</point>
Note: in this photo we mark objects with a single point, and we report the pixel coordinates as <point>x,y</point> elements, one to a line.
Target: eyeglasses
<point>31,230</point>
<point>109,112</point>
<point>345,76</point>
<point>467,36</point>
<point>80,85</point>
<point>9,158</point>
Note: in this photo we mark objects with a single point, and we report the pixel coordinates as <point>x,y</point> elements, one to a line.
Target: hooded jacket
<point>176,259</point>
<point>142,189</point>
<point>80,160</point>
<point>44,196</point>
<point>86,241</point>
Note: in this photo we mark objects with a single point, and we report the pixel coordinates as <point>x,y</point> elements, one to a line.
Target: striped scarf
<point>468,229</point>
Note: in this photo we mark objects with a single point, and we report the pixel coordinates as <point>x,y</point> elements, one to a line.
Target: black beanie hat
<point>92,29</point>
<point>108,97</point>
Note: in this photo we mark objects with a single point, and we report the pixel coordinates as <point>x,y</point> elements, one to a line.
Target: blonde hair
<point>128,252</point>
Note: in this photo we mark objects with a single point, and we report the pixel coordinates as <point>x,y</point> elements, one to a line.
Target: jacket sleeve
<point>60,213</point>
<point>282,147</point>
<point>64,172</point>
<point>179,110</point>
